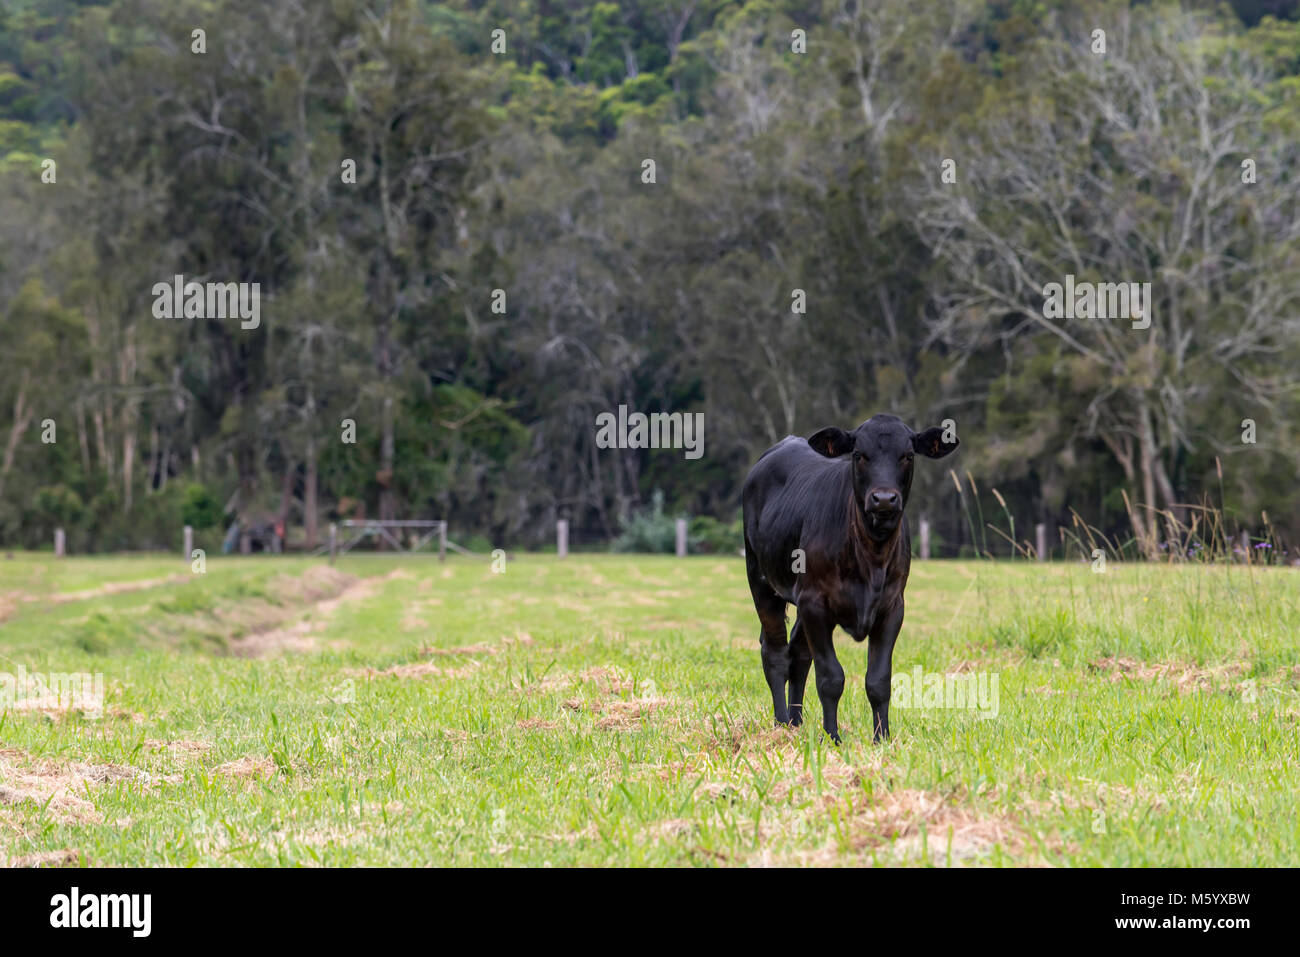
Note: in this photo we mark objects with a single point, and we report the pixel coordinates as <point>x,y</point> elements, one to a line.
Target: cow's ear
<point>831,442</point>
<point>931,443</point>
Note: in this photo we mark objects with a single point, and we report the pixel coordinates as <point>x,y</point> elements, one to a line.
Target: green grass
<point>610,710</point>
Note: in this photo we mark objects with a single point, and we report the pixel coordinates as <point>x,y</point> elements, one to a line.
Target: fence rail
<point>366,528</point>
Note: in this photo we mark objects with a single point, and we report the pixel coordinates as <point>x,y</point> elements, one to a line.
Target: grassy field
<point>610,710</point>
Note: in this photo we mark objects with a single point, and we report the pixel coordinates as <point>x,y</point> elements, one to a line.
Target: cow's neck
<point>870,572</point>
<point>871,560</point>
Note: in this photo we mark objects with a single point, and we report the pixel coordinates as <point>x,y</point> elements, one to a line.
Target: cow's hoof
<point>796,717</point>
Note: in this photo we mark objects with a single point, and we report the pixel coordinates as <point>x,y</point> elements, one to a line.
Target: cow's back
<point>791,494</point>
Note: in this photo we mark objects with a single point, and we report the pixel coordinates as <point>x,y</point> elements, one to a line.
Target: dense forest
<point>477,226</point>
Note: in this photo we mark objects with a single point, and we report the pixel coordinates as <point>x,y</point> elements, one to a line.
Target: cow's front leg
<point>830,676</point>
<point>880,668</point>
<point>800,662</point>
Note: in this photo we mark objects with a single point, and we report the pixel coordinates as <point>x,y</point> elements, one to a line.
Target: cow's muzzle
<point>884,508</point>
<point>884,501</point>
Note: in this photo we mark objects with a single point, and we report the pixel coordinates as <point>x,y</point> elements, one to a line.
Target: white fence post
<point>1040,532</point>
<point>562,537</point>
<point>925,538</point>
<point>681,538</point>
<point>188,538</point>
<point>60,543</point>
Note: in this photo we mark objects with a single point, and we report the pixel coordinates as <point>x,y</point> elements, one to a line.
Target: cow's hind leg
<point>800,662</point>
<point>772,644</point>
<point>775,654</point>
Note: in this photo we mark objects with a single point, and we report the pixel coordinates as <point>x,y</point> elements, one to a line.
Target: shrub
<point>648,531</point>
<point>199,508</point>
<point>713,537</point>
<point>59,505</point>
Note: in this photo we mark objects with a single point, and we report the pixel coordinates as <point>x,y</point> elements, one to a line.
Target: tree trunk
<point>127,367</point>
<point>128,460</point>
<point>101,441</point>
<point>386,506</point>
<point>22,418</point>
<point>1147,462</point>
<point>83,439</point>
<point>386,282</point>
<point>1167,495</point>
<point>165,463</point>
<point>1121,446</point>
<point>309,496</point>
<point>286,503</point>
<point>152,479</point>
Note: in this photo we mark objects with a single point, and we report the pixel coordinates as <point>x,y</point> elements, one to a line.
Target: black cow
<point>825,529</point>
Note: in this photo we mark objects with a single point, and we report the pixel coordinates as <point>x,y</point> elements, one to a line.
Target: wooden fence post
<point>562,537</point>
<point>334,541</point>
<point>681,538</point>
<point>925,538</point>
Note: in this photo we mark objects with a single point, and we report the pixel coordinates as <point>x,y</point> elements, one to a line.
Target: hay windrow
<point>1187,677</point>
<point>64,790</point>
<point>324,590</point>
<point>62,858</point>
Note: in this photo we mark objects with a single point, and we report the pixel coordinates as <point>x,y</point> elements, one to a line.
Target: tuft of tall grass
<point>1220,601</point>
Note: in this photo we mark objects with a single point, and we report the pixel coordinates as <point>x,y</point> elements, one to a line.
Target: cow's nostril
<point>884,500</point>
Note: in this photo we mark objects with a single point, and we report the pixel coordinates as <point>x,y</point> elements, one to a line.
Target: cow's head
<point>882,449</point>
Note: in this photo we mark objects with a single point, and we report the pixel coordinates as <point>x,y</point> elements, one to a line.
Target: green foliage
<point>710,536</point>
<point>199,508</point>
<point>650,531</point>
<point>521,172</point>
<point>58,505</point>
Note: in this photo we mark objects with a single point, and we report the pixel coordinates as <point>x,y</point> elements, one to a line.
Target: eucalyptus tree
<point>1149,160</point>
<point>410,119</point>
